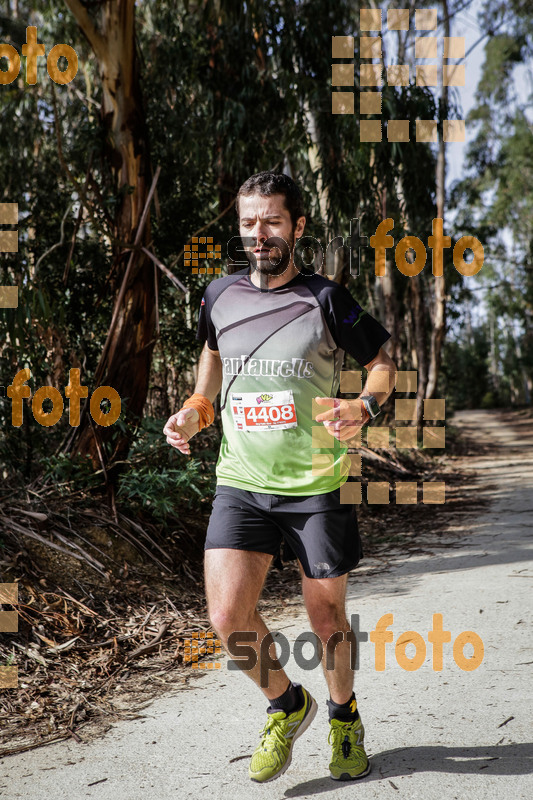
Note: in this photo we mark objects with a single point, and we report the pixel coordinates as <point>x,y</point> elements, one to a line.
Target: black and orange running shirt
<point>280,348</point>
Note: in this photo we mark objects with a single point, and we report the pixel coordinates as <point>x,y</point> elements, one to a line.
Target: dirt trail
<point>448,734</point>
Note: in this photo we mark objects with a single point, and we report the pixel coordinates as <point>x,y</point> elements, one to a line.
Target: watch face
<point>373,406</point>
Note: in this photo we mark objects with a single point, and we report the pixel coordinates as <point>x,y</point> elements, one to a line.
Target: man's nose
<point>260,233</point>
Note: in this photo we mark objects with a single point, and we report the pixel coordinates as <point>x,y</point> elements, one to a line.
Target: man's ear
<point>300,225</point>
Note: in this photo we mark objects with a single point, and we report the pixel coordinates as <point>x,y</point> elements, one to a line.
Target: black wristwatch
<point>371,405</point>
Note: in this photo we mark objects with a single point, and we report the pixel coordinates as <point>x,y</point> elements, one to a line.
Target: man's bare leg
<point>233,583</point>
<point>325,601</point>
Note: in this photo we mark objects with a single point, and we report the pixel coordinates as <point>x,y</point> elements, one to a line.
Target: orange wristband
<point>204,407</point>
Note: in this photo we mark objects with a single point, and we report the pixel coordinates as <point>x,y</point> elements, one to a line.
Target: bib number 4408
<point>271,414</point>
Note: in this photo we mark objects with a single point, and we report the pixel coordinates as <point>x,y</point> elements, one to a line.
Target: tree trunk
<point>417,302</point>
<point>125,361</point>
<point>332,266</point>
<point>387,296</point>
<point>438,314</point>
<point>417,333</point>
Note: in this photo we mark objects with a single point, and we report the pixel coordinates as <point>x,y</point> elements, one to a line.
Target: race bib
<point>263,412</point>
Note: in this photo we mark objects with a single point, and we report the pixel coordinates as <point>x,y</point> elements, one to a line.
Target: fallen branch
<point>32,535</point>
<point>146,648</point>
<point>373,456</point>
<point>31,654</point>
<point>106,642</point>
<point>13,750</point>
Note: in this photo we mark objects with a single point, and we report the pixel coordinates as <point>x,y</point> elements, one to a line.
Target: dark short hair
<point>268,183</point>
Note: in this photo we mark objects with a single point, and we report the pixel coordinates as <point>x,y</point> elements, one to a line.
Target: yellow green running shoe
<point>274,752</point>
<point>348,760</point>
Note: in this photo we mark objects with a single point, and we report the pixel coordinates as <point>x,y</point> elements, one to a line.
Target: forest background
<point>173,106</point>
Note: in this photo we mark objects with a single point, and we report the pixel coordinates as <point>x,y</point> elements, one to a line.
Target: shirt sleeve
<point>206,329</point>
<point>354,329</point>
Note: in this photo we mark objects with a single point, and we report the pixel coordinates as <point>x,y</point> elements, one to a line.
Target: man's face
<point>263,218</point>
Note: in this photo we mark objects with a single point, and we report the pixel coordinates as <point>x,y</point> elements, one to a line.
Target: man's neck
<point>263,281</point>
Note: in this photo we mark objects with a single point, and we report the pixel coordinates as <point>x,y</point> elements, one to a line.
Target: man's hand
<point>180,428</point>
<point>343,419</point>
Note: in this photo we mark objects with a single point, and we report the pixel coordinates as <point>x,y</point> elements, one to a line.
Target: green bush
<point>165,490</point>
<point>154,478</point>
<point>492,400</point>
<point>69,473</point>
<point>162,481</point>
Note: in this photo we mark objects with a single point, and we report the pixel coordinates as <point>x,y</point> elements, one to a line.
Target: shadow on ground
<point>511,759</point>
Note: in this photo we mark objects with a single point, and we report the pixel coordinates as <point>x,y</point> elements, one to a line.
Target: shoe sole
<point>307,720</point>
<point>347,777</point>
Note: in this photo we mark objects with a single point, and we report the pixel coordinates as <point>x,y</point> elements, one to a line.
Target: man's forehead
<point>256,204</point>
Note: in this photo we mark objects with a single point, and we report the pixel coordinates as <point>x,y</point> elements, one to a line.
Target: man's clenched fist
<point>344,418</point>
<point>180,427</point>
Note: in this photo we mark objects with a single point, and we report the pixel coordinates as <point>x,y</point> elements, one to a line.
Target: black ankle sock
<point>342,711</point>
<point>291,700</point>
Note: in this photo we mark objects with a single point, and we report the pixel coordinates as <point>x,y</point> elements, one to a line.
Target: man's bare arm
<point>381,362</point>
<point>181,426</point>
<point>209,380</point>
<point>344,418</point>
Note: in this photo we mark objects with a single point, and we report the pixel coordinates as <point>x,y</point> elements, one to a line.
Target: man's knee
<point>328,620</point>
<point>227,619</point>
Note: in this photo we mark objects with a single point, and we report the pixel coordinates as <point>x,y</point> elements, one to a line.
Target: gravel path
<point>449,734</point>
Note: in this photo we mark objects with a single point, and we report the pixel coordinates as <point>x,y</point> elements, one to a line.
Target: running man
<point>275,339</point>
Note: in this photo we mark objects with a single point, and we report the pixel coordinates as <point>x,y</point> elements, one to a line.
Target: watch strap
<point>371,405</point>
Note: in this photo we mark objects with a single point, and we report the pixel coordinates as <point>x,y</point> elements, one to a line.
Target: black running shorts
<point>317,529</point>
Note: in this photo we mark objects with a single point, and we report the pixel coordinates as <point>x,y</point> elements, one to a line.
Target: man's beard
<point>270,264</point>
